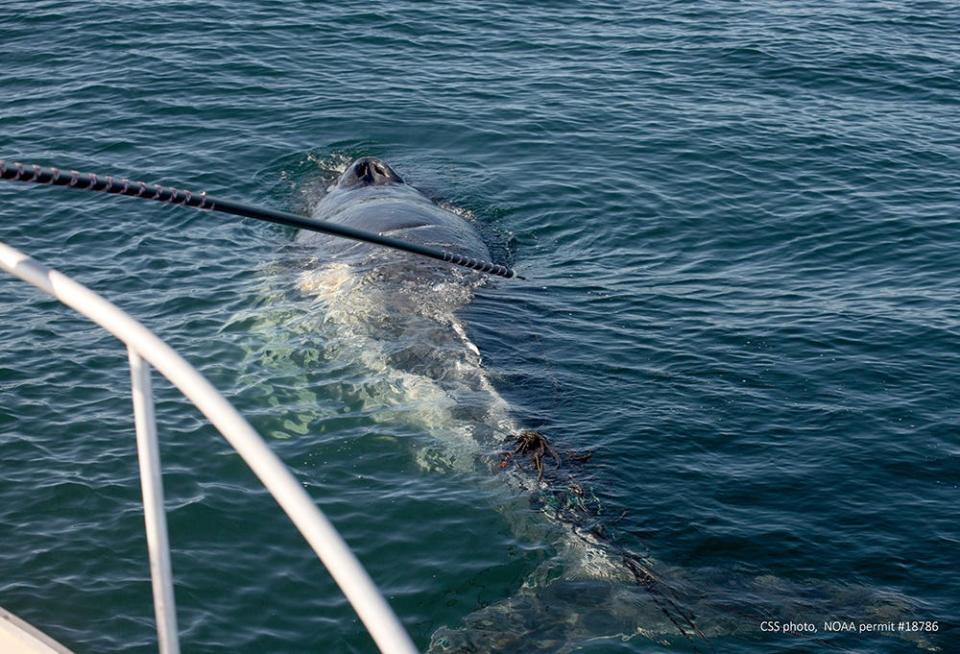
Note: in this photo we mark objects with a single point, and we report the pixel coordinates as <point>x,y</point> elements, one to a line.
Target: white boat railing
<point>146,349</point>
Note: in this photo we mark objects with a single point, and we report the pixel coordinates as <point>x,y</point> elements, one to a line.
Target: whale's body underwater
<point>400,313</point>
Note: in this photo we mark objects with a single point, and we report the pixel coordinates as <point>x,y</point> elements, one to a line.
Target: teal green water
<point>739,228</point>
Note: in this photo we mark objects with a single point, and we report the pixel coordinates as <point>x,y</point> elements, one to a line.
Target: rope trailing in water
<point>108,184</point>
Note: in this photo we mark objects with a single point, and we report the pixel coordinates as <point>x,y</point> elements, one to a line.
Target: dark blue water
<point>739,228</point>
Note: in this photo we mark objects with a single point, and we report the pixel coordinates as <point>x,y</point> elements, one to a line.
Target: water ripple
<point>738,228</point>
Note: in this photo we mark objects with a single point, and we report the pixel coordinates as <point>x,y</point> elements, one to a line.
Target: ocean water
<point>738,227</point>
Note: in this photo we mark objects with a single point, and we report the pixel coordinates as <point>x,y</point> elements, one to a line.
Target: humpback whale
<point>403,309</point>
<point>400,315</point>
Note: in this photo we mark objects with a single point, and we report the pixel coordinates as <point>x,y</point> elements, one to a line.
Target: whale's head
<point>368,171</point>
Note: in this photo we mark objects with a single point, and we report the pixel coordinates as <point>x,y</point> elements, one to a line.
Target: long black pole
<point>108,184</point>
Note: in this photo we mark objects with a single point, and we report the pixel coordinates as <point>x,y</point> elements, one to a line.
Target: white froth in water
<point>425,365</point>
<point>310,185</point>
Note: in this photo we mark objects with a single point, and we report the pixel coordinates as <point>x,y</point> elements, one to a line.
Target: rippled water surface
<point>738,224</point>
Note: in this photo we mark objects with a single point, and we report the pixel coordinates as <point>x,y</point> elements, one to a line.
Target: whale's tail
<point>557,618</point>
<point>588,594</point>
<point>589,607</point>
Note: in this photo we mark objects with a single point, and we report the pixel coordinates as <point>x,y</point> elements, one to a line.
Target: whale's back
<point>398,211</point>
<point>401,302</point>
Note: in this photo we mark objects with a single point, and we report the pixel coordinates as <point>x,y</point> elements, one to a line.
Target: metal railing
<point>146,349</point>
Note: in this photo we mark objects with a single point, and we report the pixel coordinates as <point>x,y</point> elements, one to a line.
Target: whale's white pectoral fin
<point>461,332</point>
